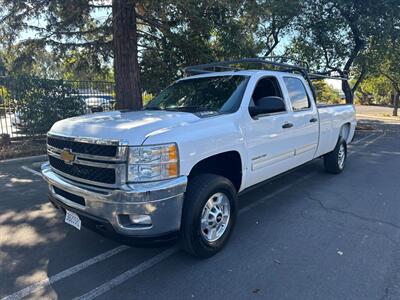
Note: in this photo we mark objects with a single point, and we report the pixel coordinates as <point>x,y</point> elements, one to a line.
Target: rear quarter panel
<point>332,118</point>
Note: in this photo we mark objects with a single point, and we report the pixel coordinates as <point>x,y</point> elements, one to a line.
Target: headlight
<point>150,163</point>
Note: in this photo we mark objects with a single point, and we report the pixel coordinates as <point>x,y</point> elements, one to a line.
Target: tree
<point>164,36</point>
<point>375,89</point>
<point>197,32</point>
<point>83,65</point>
<point>390,65</point>
<point>384,61</point>
<point>390,69</point>
<point>98,28</point>
<point>30,60</point>
<point>126,66</point>
<point>335,35</point>
<point>325,93</point>
<point>194,32</point>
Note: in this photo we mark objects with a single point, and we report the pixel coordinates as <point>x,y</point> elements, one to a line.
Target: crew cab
<point>175,168</point>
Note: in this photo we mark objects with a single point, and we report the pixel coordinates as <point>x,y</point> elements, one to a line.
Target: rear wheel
<point>209,214</point>
<point>334,161</point>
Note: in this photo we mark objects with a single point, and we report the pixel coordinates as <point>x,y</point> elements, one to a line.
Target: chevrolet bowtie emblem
<point>67,156</point>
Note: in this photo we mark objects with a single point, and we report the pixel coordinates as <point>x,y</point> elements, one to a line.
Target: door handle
<point>287,125</point>
<point>313,120</point>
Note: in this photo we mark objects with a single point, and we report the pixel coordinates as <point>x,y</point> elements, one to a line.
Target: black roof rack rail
<point>301,67</point>
<point>211,67</point>
<point>319,76</point>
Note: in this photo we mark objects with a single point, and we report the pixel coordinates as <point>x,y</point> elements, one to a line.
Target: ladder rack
<point>233,65</point>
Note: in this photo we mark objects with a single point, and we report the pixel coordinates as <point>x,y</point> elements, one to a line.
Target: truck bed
<point>332,117</point>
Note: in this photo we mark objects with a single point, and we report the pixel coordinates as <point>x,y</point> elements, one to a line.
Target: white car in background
<point>16,119</point>
<point>98,103</point>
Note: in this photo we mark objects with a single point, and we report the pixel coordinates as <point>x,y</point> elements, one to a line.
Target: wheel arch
<point>345,132</point>
<point>227,164</point>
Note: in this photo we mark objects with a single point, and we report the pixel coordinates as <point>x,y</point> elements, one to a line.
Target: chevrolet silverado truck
<point>174,169</point>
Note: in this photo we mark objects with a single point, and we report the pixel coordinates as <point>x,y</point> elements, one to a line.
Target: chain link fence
<point>30,106</point>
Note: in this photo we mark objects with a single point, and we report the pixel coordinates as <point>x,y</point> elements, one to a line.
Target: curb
<point>31,159</point>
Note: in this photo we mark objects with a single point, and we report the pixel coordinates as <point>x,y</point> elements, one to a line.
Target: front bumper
<point>162,201</point>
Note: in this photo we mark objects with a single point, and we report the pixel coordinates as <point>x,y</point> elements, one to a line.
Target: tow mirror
<point>267,105</point>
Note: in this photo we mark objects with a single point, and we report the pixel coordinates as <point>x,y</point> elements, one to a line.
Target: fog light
<point>140,219</point>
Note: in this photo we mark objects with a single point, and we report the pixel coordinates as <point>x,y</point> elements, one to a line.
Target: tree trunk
<point>348,93</point>
<point>126,67</point>
<point>396,103</point>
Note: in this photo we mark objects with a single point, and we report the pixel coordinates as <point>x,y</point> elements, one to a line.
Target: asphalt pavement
<point>304,235</point>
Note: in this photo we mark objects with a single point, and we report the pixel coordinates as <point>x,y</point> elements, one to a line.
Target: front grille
<point>74,198</point>
<point>97,174</point>
<point>83,148</point>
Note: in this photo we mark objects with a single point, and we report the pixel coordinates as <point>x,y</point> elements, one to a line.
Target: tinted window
<point>297,93</point>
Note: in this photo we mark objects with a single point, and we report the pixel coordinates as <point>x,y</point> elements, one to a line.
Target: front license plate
<point>73,219</point>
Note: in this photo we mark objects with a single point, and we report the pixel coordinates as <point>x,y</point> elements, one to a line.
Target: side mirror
<point>267,105</point>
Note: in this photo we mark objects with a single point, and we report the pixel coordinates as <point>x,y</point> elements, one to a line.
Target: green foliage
<point>40,36</point>
<point>3,68</point>
<point>344,35</point>
<point>38,62</point>
<point>74,39</point>
<point>375,90</point>
<point>325,93</point>
<point>40,103</point>
<point>195,32</point>
<point>147,97</point>
<point>172,34</point>
<point>4,96</point>
<point>83,65</point>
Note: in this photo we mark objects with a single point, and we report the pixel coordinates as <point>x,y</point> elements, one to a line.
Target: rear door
<point>305,119</point>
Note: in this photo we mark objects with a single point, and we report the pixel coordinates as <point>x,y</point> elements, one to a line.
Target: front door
<point>269,138</point>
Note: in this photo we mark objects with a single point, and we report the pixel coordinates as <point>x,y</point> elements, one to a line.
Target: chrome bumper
<point>162,201</point>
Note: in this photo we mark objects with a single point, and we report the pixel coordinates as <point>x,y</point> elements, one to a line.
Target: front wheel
<point>334,161</point>
<point>209,214</point>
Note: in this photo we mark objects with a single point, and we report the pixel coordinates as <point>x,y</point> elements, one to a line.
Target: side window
<point>297,93</point>
<point>267,86</point>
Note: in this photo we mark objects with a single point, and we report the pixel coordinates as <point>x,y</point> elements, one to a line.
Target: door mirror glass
<point>267,105</point>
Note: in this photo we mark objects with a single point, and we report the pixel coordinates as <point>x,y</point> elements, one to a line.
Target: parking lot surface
<point>304,235</point>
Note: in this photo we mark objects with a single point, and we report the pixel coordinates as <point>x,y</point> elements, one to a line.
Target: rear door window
<point>297,94</point>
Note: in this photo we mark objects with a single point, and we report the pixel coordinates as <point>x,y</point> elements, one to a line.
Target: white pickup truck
<point>175,169</point>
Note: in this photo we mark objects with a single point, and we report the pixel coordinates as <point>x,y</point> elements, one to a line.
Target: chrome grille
<point>96,162</point>
<point>102,175</point>
<point>83,148</point>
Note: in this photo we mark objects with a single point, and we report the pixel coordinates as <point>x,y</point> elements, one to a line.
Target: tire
<point>334,162</point>
<point>194,237</point>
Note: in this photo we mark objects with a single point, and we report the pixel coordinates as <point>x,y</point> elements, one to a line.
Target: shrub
<point>325,93</point>
<point>39,103</point>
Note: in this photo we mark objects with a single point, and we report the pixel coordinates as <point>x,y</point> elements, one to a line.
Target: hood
<point>133,127</point>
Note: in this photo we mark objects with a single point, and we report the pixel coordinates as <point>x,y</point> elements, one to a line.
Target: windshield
<point>219,94</point>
